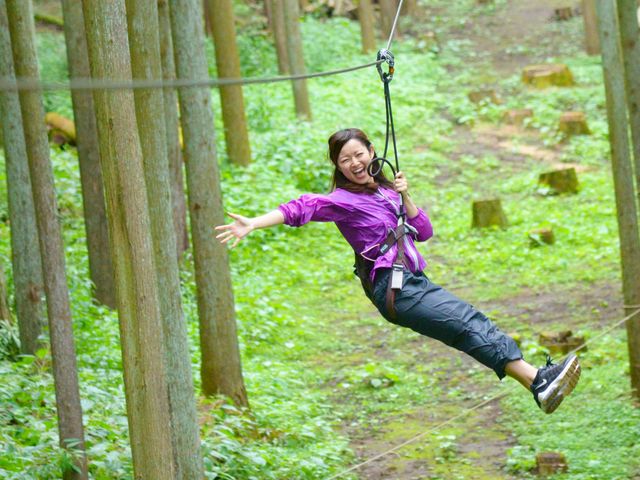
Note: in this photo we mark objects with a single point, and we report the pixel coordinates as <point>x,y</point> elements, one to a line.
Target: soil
<point>481,443</point>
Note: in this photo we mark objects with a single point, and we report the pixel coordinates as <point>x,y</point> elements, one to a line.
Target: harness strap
<point>395,279</point>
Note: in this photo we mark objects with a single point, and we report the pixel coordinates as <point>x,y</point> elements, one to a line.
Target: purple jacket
<point>364,219</point>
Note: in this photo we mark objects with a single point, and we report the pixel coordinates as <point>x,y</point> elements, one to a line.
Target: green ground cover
<point>308,337</point>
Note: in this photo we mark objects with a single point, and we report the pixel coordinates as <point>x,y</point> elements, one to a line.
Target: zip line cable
<point>33,84</point>
<point>477,406</point>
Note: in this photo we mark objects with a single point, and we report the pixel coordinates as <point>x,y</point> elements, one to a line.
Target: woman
<point>365,210</point>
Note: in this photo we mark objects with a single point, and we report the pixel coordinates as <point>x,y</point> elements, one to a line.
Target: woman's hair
<point>336,142</point>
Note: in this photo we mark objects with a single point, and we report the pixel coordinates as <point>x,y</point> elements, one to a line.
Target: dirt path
<point>517,34</point>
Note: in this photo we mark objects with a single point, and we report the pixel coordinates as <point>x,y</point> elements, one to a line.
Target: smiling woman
<point>366,210</point>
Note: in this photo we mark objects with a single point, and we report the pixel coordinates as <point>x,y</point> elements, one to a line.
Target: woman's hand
<point>238,229</point>
<point>400,184</point>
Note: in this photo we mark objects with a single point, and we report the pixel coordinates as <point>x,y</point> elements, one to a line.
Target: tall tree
<point>142,16</point>
<point>592,42</point>
<point>63,354</point>
<point>25,251</point>
<point>172,122</point>
<point>221,370</point>
<point>296,58</point>
<point>95,219</point>
<point>280,36</point>
<point>141,332</point>
<point>387,15</point>
<point>622,177</point>
<point>223,27</point>
<point>367,31</point>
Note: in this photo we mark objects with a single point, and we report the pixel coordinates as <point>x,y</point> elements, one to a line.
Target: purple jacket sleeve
<point>422,224</point>
<point>312,207</point>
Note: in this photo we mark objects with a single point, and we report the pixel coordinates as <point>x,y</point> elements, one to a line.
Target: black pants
<point>432,311</point>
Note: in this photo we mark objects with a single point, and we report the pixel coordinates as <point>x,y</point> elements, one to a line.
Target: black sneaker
<point>554,382</point>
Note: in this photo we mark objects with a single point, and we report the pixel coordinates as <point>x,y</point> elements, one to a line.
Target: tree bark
<point>228,63</point>
<point>367,30</point>
<point>5,311</point>
<point>141,332</point>
<point>280,36</point>
<point>296,58</point>
<point>622,178</point>
<point>95,219</point>
<point>221,370</point>
<point>142,17</point>
<point>387,15</point>
<point>63,354</point>
<point>172,123</point>
<point>630,42</point>
<point>592,42</point>
<point>25,251</point>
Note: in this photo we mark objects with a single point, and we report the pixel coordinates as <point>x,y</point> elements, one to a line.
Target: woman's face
<point>353,160</point>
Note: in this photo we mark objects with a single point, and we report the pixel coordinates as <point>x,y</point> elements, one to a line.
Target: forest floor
<point>483,440</point>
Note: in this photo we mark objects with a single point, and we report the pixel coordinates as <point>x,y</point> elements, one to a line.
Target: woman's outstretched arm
<point>243,226</point>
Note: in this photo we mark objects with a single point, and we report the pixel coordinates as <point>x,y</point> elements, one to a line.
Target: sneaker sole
<point>551,398</point>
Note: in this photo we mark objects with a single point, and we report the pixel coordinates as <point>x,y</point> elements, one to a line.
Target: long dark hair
<point>336,142</point>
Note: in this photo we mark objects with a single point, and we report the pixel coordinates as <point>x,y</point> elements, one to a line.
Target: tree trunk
<point>95,219</point>
<point>296,58</point>
<point>592,42</point>
<point>409,8</point>
<point>5,311</point>
<point>221,371</point>
<point>25,251</point>
<point>63,354</point>
<point>367,30</point>
<point>172,123</point>
<point>630,42</point>
<point>137,296</point>
<point>280,36</point>
<point>387,15</point>
<point>622,178</point>
<point>142,17</point>
<point>228,63</point>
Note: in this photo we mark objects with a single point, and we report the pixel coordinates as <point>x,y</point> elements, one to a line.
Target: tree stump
<point>560,343</point>
<point>549,463</point>
<point>541,236</point>
<point>487,213</point>
<point>61,130</point>
<point>574,123</point>
<point>559,181</point>
<point>517,116</point>
<point>563,13</point>
<point>548,75</point>
<point>484,95</point>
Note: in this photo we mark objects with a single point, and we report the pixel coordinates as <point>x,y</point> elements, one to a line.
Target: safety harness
<point>395,236</point>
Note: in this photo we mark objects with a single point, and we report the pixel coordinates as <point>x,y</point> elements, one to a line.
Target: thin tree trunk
<point>367,31</point>
<point>592,42</point>
<point>622,177</point>
<point>280,36</point>
<point>387,15</point>
<point>228,62</point>
<point>296,58</point>
<point>95,219</point>
<point>63,354</point>
<point>172,123</point>
<point>5,311</point>
<point>137,295</point>
<point>409,8</point>
<point>630,42</point>
<point>267,9</point>
<point>221,370</point>
<point>142,16</point>
<point>25,251</point>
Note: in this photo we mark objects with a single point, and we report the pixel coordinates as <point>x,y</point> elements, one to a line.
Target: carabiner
<point>383,56</point>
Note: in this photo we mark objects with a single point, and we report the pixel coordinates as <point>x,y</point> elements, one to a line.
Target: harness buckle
<point>386,56</point>
<point>397,273</point>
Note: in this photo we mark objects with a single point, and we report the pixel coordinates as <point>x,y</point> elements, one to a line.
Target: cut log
<point>487,213</point>
<point>563,13</point>
<point>517,116</point>
<point>549,463</point>
<point>548,75</point>
<point>574,123</point>
<point>559,181</point>
<point>61,129</point>
<point>541,236</point>
<point>484,95</point>
<point>48,19</point>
